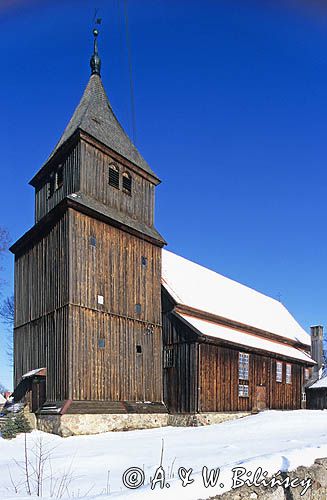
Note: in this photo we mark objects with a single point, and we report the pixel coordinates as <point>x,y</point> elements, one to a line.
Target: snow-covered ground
<point>94,465</point>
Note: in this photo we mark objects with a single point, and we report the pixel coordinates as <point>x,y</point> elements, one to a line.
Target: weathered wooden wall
<point>205,376</point>
<point>94,183</point>
<point>71,183</point>
<point>59,319</point>
<point>181,380</point>
<point>44,342</point>
<point>41,314</point>
<point>316,399</point>
<point>113,269</point>
<point>219,380</point>
<point>86,169</point>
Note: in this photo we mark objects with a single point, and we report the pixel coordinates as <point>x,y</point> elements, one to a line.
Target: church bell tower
<point>87,274</point>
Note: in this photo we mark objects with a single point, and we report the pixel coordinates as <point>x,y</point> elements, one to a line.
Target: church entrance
<point>38,393</point>
<point>261,397</point>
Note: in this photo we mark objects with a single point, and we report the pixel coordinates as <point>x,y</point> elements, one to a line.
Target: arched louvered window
<point>114,176</point>
<point>59,177</point>
<point>127,183</point>
<point>51,186</point>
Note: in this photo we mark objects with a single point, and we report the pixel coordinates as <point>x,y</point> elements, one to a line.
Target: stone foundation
<point>199,419</point>
<point>79,424</point>
<point>30,417</point>
<point>74,425</point>
<point>318,491</point>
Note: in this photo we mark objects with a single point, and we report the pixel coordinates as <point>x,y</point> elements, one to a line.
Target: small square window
<point>243,391</point>
<point>139,349</point>
<point>93,241</point>
<point>100,299</point>
<point>138,308</point>
<point>101,343</point>
<point>144,261</point>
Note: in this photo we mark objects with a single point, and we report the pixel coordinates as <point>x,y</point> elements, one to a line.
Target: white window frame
<point>288,373</point>
<point>243,365</point>
<point>243,390</point>
<point>279,372</point>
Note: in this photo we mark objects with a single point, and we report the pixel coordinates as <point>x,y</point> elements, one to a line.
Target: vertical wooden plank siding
<point>41,313</point>
<point>205,375</point>
<point>94,183</point>
<point>219,381</point>
<point>41,343</point>
<point>181,380</point>
<point>316,399</point>
<point>112,268</point>
<point>71,184</point>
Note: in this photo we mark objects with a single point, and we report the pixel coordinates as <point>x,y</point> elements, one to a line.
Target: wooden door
<point>38,393</point>
<point>261,397</point>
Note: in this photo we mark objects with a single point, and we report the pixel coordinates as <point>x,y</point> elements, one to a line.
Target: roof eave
<point>81,134</point>
<point>54,157</point>
<point>47,221</point>
<point>213,340</point>
<point>184,309</point>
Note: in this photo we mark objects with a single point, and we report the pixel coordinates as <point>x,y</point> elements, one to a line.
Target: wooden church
<point>108,323</point>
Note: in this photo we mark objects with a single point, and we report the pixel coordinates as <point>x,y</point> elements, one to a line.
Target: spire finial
<point>95,61</point>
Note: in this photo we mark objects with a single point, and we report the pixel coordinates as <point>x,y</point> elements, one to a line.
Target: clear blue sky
<point>231,108</point>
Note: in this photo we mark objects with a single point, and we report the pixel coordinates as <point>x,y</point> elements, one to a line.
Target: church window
<point>114,176</point>
<point>144,261</point>
<point>93,241</point>
<point>306,374</point>
<point>169,361</point>
<point>127,183</point>
<point>138,308</point>
<point>101,343</point>
<point>100,299</point>
<point>279,371</point>
<point>139,349</point>
<point>243,391</point>
<point>243,366</point>
<point>288,374</point>
<point>59,177</point>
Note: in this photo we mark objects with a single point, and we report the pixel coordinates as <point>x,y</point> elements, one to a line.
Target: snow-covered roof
<point>245,339</point>
<point>321,383</point>
<point>198,287</point>
<point>33,373</point>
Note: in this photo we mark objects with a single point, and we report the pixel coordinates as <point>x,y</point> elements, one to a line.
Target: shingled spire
<point>94,115</point>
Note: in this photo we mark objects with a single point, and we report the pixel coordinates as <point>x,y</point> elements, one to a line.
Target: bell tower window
<point>114,176</point>
<point>127,183</point>
<point>51,185</point>
<point>59,177</point>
